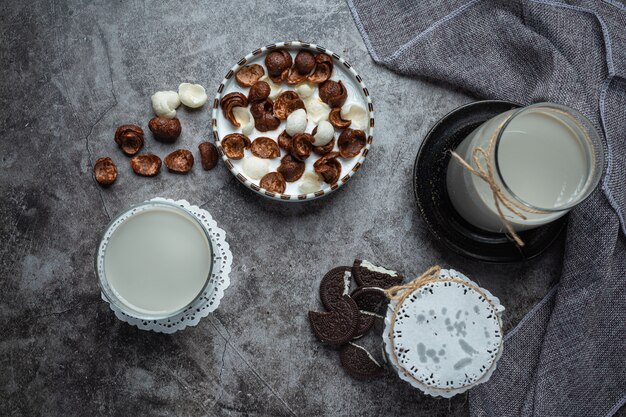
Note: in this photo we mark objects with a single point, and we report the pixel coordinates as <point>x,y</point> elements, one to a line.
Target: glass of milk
<point>546,157</point>
<point>154,260</point>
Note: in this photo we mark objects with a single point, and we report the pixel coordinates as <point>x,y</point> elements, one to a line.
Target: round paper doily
<point>212,295</point>
<point>445,348</point>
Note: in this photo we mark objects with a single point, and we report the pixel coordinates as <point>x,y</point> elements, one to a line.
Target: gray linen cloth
<point>568,355</point>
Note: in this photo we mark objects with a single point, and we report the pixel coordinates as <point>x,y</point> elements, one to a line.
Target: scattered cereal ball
<point>311,182</point>
<point>304,62</point>
<point>146,165</point>
<point>245,120</point>
<point>296,122</point>
<point>255,168</point>
<point>180,161</point>
<point>208,155</point>
<point>164,129</point>
<point>274,182</point>
<point>275,88</point>
<point>192,95</point>
<point>234,145</point>
<point>105,171</point>
<point>356,114</point>
<point>324,133</point>
<point>277,62</point>
<point>317,110</point>
<point>165,103</point>
<point>305,90</point>
<point>259,92</point>
<point>249,74</point>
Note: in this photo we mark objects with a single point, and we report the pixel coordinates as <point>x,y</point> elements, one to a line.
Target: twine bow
<point>400,292</point>
<point>485,173</point>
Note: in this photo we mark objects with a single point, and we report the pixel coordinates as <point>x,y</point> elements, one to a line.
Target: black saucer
<point>429,181</point>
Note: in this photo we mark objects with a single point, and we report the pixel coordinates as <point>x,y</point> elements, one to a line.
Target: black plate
<point>444,222</point>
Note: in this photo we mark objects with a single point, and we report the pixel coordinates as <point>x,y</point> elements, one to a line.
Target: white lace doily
<point>428,352</point>
<point>218,282</point>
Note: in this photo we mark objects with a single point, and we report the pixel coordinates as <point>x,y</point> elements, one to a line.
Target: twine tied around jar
<point>485,173</point>
<point>400,292</point>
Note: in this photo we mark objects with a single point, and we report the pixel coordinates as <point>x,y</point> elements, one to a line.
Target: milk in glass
<point>544,160</point>
<point>157,261</point>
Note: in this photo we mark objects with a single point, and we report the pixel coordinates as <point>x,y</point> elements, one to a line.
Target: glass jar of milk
<point>154,260</point>
<point>545,158</point>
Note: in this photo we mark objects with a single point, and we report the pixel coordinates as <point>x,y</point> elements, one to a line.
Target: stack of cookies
<point>351,315</point>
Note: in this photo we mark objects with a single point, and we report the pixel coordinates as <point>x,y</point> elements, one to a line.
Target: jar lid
<point>446,335</point>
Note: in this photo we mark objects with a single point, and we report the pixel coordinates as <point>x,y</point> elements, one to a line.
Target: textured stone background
<point>70,74</point>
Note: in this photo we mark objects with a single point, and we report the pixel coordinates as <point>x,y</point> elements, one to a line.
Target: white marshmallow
<point>275,89</point>
<point>296,122</point>
<point>192,95</point>
<point>255,167</point>
<point>244,118</point>
<point>324,133</point>
<point>311,182</point>
<point>305,90</point>
<point>165,103</point>
<point>356,114</point>
<point>316,109</point>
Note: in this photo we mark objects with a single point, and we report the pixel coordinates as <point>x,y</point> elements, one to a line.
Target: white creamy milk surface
<point>158,261</point>
<point>542,160</point>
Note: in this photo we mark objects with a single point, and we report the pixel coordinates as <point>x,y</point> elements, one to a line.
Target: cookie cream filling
<point>368,354</point>
<point>369,313</point>
<point>379,269</point>
<point>346,282</point>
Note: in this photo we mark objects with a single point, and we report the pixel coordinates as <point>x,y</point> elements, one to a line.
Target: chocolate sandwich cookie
<point>366,321</point>
<point>339,326</point>
<point>334,285</point>
<point>370,299</point>
<point>367,274</point>
<point>358,362</point>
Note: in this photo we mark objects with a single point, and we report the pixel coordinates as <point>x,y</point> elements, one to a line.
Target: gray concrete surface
<point>70,74</point>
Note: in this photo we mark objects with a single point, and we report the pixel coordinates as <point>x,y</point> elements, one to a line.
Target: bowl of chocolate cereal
<point>293,121</point>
